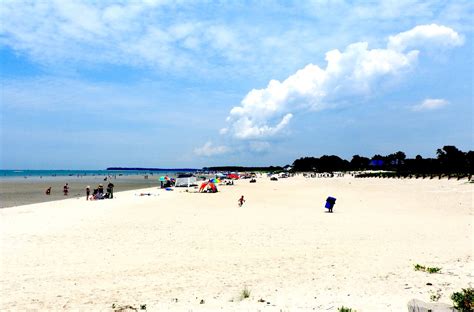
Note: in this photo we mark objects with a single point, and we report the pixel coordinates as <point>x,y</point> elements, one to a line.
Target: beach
<point>185,251</point>
<point>19,191</point>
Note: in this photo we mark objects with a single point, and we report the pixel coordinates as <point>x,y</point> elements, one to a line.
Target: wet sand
<point>31,190</point>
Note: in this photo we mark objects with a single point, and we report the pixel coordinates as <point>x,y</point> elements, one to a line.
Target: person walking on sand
<point>88,192</point>
<point>48,191</point>
<point>66,189</point>
<point>241,201</point>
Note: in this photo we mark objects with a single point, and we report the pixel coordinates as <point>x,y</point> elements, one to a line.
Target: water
<point>87,173</point>
<point>22,187</point>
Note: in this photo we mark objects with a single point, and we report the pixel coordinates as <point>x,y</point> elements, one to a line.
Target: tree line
<point>449,160</point>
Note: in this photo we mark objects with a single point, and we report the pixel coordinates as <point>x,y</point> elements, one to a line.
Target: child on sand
<point>66,189</point>
<point>241,201</point>
<point>88,192</point>
<point>48,191</point>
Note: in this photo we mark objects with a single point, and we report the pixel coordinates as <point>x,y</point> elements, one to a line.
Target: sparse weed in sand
<point>419,267</point>
<point>123,308</point>
<point>435,296</point>
<point>433,270</point>
<point>464,300</point>
<point>344,309</point>
<point>245,293</point>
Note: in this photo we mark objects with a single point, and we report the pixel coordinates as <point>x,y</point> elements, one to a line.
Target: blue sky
<point>92,84</point>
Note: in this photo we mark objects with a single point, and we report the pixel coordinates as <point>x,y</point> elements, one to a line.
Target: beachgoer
<point>48,191</point>
<point>110,190</point>
<point>88,192</point>
<point>241,201</point>
<point>66,189</point>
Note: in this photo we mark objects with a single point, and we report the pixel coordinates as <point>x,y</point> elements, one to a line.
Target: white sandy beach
<point>173,249</point>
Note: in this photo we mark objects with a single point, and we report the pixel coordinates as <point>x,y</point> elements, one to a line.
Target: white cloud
<point>183,36</point>
<point>133,33</point>
<point>438,35</point>
<point>354,72</point>
<point>209,149</point>
<point>430,104</point>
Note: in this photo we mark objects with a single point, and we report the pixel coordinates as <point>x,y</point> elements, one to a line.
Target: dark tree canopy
<point>449,160</point>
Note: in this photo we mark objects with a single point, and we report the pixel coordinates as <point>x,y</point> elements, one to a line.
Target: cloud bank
<point>131,33</point>
<point>354,72</point>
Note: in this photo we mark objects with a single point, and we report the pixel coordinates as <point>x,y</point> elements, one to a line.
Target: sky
<point>169,84</point>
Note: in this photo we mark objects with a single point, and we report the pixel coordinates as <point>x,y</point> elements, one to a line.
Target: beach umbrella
<point>213,187</point>
<point>203,185</point>
<point>233,176</point>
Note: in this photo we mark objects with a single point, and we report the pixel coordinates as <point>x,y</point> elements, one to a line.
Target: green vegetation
<point>124,308</point>
<point>419,267</point>
<point>464,300</point>
<point>433,270</point>
<point>450,162</point>
<point>245,293</point>
<point>344,309</point>
<point>435,296</point>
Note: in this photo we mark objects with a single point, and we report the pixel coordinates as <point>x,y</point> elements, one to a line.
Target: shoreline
<point>19,191</point>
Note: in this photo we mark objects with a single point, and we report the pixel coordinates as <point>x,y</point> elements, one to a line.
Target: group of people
<point>98,193</point>
<point>65,190</point>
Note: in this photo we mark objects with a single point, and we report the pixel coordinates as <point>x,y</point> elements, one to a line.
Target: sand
<point>31,190</point>
<point>184,251</point>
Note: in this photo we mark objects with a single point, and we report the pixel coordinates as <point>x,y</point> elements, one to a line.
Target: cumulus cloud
<point>438,35</point>
<point>209,149</point>
<point>354,72</point>
<point>430,104</point>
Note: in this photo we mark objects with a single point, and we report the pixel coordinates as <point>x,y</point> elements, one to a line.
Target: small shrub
<point>435,296</point>
<point>464,300</point>
<point>344,309</point>
<point>419,267</point>
<point>245,293</point>
<point>433,270</point>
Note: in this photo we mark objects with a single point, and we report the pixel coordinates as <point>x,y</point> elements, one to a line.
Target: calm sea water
<point>90,173</point>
